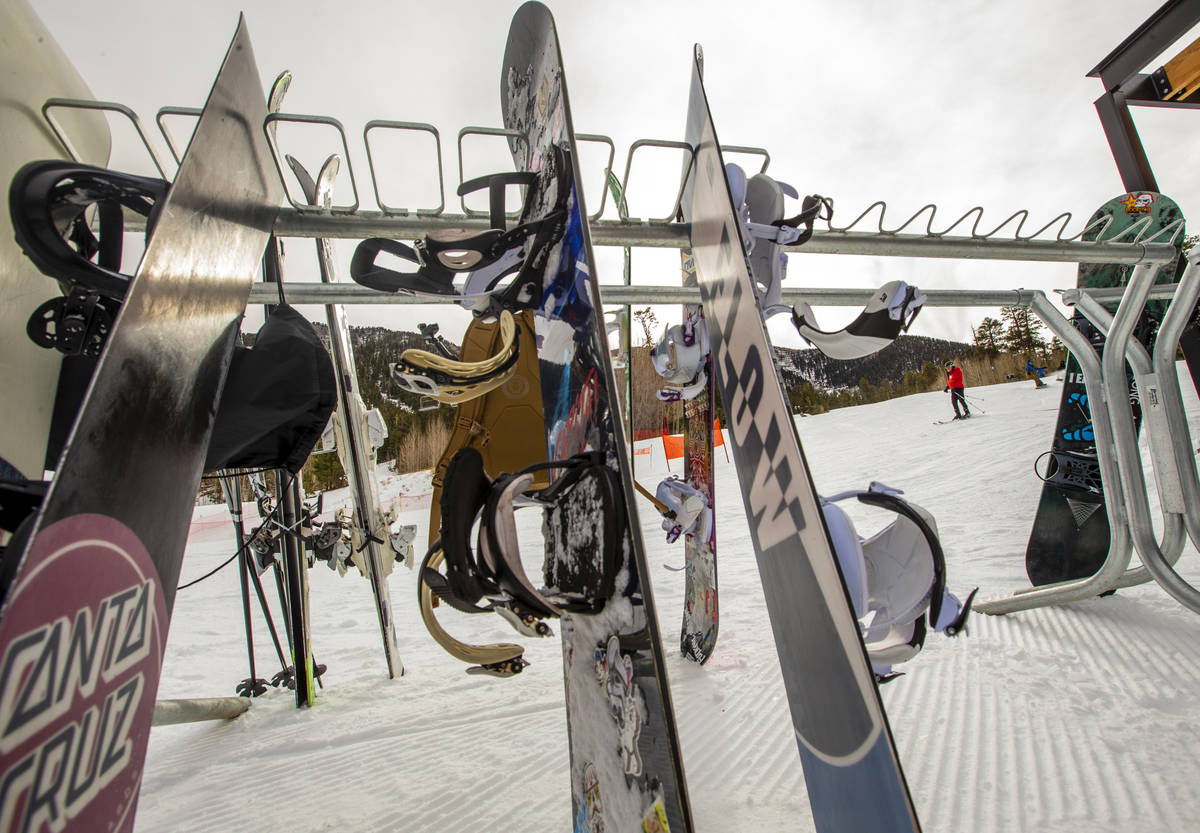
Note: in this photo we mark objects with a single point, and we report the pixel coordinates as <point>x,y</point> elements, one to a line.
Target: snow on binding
<point>626,768</point>
<point>851,768</point>
<point>1070,534</point>
<point>93,580</point>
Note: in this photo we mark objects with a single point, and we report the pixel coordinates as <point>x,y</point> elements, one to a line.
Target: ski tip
<point>279,89</point>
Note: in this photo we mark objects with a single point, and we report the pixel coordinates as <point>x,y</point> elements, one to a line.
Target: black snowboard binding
<point>486,258</point>
<point>49,202</point>
<point>1071,469</point>
<point>489,577</point>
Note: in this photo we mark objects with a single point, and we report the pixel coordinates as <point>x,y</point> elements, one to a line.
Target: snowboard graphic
<point>84,621</point>
<point>698,636</point>
<point>1070,535</point>
<point>626,768</point>
<point>854,779</point>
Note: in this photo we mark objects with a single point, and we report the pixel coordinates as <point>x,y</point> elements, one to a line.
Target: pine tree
<point>989,336</point>
<point>1023,333</point>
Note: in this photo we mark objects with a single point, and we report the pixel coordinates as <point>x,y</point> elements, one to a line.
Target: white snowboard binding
<point>686,510</point>
<point>896,578</point>
<point>679,357</point>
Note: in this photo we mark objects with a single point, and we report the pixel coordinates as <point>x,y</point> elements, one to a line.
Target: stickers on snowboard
<point>626,768</point>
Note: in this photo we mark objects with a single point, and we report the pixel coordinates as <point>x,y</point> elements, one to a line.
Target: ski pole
<point>974,404</point>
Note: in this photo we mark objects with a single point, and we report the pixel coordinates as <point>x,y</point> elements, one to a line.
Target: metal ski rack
<point>871,232</point>
<point>1125,488</point>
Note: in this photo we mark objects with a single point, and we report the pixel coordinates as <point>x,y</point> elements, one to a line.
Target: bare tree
<point>649,323</point>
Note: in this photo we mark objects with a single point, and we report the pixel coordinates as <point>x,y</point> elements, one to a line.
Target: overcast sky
<point>959,104</point>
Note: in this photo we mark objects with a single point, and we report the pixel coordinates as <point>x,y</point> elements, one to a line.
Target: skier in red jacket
<point>954,384</point>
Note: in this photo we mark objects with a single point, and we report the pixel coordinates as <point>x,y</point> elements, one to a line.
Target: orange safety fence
<point>673,443</point>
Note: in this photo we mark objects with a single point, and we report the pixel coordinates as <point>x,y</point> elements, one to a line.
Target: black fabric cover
<point>277,399</point>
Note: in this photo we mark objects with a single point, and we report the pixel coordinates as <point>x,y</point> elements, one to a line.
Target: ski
<point>292,566</point>
<point>698,635</point>
<point>94,581</point>
<point>1070,535</point>
<point>626,766</point>
<point>371,529</point>
<point>854,778</point>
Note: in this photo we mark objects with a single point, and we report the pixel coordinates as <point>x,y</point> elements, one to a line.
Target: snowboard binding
<point>49,202</point>
<point>679,357</point>
<point>1072,470</point>
<point>765,230</point>
<point>891,311</point>
<point>451,381</point>
<point>896,579</point>
<point>485,258</point>
<point>490,578</point>
<point>685,510</point>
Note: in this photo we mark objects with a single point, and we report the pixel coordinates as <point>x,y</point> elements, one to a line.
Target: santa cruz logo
<point>1138,203</point>
<point>80,648</point>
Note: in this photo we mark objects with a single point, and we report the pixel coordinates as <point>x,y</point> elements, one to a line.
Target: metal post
<point>1166,474</point>
<point>1119,551</point>
<point>1126,443</point>
<point>1177,317</point>
<point>170,712</point>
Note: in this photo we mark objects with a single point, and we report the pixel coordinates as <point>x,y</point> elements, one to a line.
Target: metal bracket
<point>382,124</point>
<point>297,118</point>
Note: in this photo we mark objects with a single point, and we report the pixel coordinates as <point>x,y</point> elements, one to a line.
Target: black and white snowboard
<point>84,622</point>
<point>626,769</point>
<point>851,768</point>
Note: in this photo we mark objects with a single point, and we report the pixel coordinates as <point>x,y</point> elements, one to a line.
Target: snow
<point>1077,718</point>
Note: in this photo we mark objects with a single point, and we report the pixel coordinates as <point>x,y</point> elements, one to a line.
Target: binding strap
<point>485,257</point>
<point>452,381</point>
<point>888,500</point>
<point>500,659</point>
<point>889,312</point>
<point>464,494</point>
<point>48,196</point>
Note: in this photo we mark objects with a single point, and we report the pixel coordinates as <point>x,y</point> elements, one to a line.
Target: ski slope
<point>1078,718</point>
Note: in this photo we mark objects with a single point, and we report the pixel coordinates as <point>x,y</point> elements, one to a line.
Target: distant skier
<point>954,384</point>
<point>1036,372</point>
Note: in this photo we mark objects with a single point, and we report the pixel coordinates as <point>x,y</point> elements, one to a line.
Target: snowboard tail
<point>96,581</point>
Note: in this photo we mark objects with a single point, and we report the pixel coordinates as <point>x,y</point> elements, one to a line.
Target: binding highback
<point>896,579</point>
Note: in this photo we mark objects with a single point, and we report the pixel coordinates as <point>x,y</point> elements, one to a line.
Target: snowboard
<point>371,527</point>
<point>84,623</point>
<point>32,69</point>
<point>698,636</point>
<point>626,768</point>
<point>1070,534</point>
<point>851,768</point>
